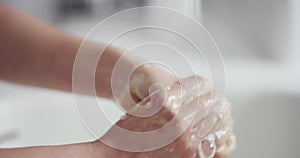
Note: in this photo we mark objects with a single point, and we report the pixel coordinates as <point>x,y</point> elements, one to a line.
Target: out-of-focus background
<point>259,42</point>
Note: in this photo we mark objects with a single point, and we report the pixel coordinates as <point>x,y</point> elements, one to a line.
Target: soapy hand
<point>199,117</point>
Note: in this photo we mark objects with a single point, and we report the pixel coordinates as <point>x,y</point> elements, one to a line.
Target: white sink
<point>30,116</point>
<point>34,116</point>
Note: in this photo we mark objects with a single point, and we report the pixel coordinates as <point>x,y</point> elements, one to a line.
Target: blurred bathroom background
<point>259,42</point>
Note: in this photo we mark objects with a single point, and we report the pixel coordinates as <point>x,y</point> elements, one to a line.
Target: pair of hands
<point>187,106</point>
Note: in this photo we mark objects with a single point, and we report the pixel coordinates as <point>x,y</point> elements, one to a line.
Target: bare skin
<point>37,54</point>
<point>34,53</point>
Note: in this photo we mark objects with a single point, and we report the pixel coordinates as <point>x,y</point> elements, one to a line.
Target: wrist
<point>99,149</point>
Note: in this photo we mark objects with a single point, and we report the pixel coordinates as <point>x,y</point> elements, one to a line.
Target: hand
<point>188,143</point>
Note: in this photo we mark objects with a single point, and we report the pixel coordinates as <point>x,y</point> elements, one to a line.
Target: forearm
<point>30,152</point>
<point>29,49</point>
<point>34,53</point>
<point>62,151</point>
